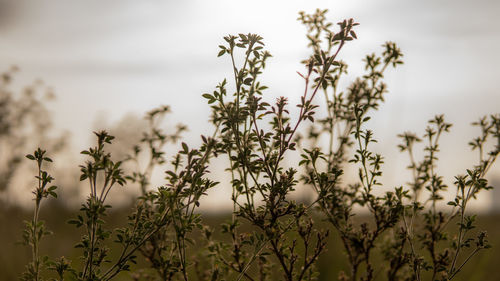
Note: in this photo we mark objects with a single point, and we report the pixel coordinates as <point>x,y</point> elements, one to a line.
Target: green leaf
<point>185,147</point>
<point>248,81</point>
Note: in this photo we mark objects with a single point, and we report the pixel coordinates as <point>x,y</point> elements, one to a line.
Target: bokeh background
<point>108,62</point>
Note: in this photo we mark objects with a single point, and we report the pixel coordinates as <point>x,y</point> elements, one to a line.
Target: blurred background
<point>89,65</point>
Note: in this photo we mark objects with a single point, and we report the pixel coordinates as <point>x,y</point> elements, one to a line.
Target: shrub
<point>270,235</point>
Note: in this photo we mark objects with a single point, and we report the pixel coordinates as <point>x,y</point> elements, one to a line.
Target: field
<point>13,256</point>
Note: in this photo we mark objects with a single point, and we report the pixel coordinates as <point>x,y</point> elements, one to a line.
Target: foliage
<point>22,115</point>
<point>270,234</point>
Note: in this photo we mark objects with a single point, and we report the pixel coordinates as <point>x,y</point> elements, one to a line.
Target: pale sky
<point>115,57</point>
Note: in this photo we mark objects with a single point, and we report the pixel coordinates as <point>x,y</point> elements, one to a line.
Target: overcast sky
<point>110,58</point>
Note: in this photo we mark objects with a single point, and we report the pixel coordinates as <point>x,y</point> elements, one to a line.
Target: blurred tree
<point>25,122</point>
